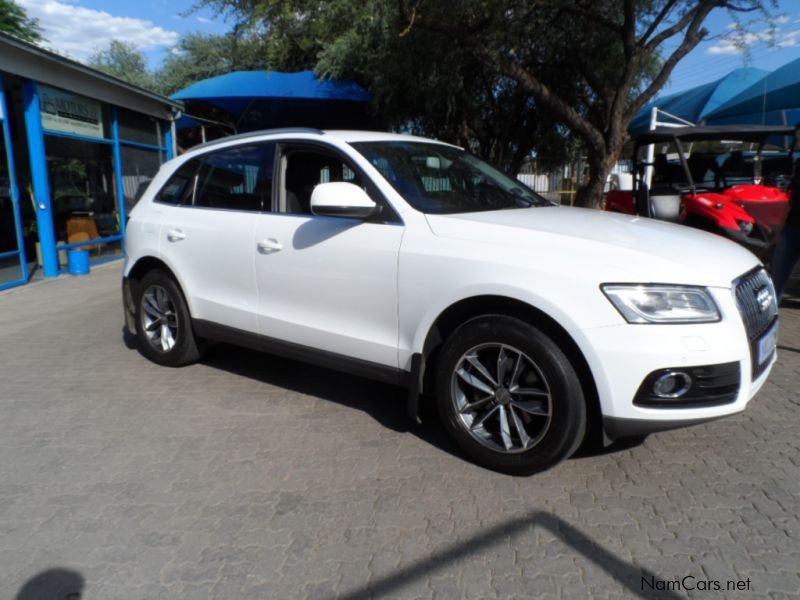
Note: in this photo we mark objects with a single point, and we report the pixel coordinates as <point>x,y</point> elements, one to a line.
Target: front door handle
<point>176,235</point>
<point>269,245</point>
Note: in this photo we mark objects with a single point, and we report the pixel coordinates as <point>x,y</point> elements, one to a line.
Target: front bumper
<point>622,356</point>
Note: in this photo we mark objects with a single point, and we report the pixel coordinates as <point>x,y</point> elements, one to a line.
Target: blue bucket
<point>78,262</point>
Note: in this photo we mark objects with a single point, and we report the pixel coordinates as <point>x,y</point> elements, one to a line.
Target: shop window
<point>139,166</point>
<point>237,178</point>
<point>8,228</point>
<point>82,190</point>
<point>137,127</point>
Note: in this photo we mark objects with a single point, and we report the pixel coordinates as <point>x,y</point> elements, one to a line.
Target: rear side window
<point>178,189</point>
<point>237,178</point>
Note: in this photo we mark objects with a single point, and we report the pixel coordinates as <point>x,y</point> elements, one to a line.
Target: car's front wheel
<point>163,324</point>
<point>509,395</point>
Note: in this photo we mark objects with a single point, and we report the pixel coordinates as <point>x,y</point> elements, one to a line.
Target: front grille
<point>757,318</point>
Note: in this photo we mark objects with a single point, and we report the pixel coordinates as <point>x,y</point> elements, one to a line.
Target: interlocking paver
<point>251,476</point>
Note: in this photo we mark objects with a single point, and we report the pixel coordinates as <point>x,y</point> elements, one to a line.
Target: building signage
<point>69,113</point>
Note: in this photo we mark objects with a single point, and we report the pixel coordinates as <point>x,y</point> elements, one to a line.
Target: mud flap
<point>415,386</point>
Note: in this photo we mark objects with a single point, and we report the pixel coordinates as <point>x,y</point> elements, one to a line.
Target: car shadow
<point>383,402</point>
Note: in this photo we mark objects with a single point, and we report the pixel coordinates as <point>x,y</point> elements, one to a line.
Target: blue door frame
<point>14,192</point>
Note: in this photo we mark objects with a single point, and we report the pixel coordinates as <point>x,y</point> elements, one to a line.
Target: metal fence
<point>560,183</point>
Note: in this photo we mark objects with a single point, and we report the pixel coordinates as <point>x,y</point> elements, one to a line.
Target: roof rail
<point>260,132</point>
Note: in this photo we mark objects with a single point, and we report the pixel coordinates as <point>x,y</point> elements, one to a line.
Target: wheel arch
<point>452,317</point>
<point>147,263</point>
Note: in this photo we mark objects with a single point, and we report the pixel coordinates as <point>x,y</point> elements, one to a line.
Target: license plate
<point>767,344</point>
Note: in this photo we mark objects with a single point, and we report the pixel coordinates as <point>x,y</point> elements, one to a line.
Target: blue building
<point>77,149</point>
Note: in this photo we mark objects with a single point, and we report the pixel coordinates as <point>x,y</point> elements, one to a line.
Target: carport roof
<point>714,132</point>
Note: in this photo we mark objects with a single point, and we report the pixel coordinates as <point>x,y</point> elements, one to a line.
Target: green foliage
<point>124,61</point>
<point>421,81</point>
<point>14,20</point>
<point>198,56</point>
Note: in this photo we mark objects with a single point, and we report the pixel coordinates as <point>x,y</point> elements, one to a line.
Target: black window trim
<point>387,214</point>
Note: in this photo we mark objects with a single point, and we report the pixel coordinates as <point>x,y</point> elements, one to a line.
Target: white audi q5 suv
<point>411,261</point>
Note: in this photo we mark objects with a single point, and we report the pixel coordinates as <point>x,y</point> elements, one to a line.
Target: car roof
<point>714,132</point>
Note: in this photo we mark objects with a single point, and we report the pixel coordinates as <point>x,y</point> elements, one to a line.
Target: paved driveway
<point>250,476</point>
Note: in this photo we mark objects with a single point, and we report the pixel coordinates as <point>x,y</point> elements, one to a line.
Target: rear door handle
<point>269,245</point>
<point>175,235</point>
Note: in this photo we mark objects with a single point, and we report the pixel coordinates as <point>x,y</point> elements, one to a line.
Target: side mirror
<point>342,199</point>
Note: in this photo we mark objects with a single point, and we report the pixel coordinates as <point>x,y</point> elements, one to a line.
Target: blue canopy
<point>235,91</point>
<point>780,90</point>
<point>696,104</point>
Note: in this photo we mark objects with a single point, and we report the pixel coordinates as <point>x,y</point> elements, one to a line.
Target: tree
<point>620,53</point>
<point>420,80</point>
<point>124,61</point>
<point>198,56</point>
<point>14,20</point>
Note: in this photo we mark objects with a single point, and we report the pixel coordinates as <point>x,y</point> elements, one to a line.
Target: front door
<point>328,283</point>
<point>13,265</point>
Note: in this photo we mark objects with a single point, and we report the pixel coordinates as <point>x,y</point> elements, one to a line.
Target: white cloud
<point>78,32</point>
<point>204,20</point>
<point>740,41</point>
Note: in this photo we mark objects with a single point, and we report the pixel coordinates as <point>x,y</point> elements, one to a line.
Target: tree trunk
<point>590,191</point>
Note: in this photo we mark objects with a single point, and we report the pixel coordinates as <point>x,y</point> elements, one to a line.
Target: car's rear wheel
<point>163,323</point>
<point>509,395</point>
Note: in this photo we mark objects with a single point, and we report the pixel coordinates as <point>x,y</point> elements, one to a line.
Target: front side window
<point>238,178</point>
<point>305,169</point>
<point>440,179</point>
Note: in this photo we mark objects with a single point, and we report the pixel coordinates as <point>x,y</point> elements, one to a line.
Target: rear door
<point>207,238</point>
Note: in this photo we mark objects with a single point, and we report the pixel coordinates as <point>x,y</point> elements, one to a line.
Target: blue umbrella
<point>696,104</point>
<point>780,90</point>
<point>260,99</point>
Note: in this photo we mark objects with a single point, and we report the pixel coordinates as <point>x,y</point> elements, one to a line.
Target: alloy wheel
<point>501,398</point>
<point>159,319</point>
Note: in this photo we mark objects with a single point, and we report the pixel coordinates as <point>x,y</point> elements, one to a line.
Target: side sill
<point>322,358</point>
<point>615,427</point>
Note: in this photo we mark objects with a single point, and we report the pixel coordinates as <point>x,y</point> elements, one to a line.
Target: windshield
<point>440,179</point>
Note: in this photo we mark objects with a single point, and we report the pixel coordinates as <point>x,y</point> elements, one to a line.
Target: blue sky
<point>79,27</point>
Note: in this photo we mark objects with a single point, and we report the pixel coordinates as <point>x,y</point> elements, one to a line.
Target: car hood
<point>605,246</point>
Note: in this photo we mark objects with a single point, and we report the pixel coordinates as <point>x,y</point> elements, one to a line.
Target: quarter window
<point>238,178</point>
<point>178,189</point>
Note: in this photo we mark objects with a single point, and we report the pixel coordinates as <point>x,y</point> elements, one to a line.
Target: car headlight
<point>745,226</point>
<point>648,303</point>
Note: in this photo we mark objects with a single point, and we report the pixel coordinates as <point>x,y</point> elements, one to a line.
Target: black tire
<point>566,423</point>
<point>186,348</point>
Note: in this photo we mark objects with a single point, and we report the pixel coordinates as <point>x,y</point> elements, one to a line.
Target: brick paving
<point>250,476</point>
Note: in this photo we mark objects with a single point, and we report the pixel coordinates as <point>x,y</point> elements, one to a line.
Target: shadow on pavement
<point>630,576</point>
<point>53,584</point>
<point>383,402</point>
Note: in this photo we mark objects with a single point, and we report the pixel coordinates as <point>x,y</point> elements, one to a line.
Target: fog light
<point>672,384</point>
